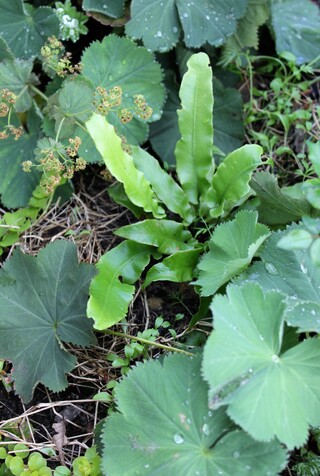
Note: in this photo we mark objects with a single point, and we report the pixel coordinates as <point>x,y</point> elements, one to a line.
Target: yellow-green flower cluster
<point>7,101</point>
<point>55,61</point>
<point>106,101</point>
<point>56,162</point>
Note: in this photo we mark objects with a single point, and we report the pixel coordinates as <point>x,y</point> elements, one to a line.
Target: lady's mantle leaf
<point>110,297</point>
<point>16,76</point>
<point>25,28</point>
<point>294,274</point>
<point>276,206</point>
<point>297,26</point>
<point>43,307</point>
<point>269,393</point>
<point>122,63</point>
<point>16,186</point>
<point>121,165</point>
<point>159,23</point>
<point>164,427</point>
<point>111,8</point>
<point>232,247</point>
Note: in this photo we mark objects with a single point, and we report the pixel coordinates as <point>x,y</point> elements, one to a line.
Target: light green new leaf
<point>297,27</point>
<point>230,183</point>
<point>295,275</point>
<point>167,236</point>
<point>17,76</point>
<point>194,151</point>
<point>165,187</point>
<point>133,68</point>
<point>178,268</point>
<point>121,166</point>
<point>25,28</point>
<point>171,397</point>
<point>42,308</point>
<point>159,24</point>
<point>227,122</point>
<point>232,247</point>
<point>269,393</point>
<point>110,297</point>
<point>16,186</point>
<point>111,8</point>
<point>276,206</point>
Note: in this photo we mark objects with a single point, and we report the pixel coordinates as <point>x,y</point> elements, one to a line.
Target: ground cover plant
<point>159,287</point>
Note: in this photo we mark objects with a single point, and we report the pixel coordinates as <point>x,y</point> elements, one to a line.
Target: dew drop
<point>261,337</point>
<point>303,268</point>
<point>175,29</point>
<point>207,17</point>
<point>209,413</point>
<point>178,439</point>
<point>185,15</point>
<point>248,468</point>
<point>236,454</point>
<point>275,358</point>
<point>271,269</point>
<point>146,466</point>
<point>159,34</point>
<point>206,429</point>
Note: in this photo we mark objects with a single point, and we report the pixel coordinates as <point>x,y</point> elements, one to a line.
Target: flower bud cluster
<point>56,162</point>
<point>55,61</point>
<point>7,101</point>
<point>106,101</point>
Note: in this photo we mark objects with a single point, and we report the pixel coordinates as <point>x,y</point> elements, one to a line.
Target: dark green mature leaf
<point>42,308</point>
<point>232,247</point>
<point>122,63</point>
<point>194,151</point>
<point>17,76</point>
<point>159,24</point>
<point>227,118</point>
<point>164,134</point>
<point>5,53</point>
<point>71,104</point>
<point>164,427</point>
<point>167,236</point>
<point>276,207</point>
<point>246,35</point>
<point>295,275</point>
<point>270,393</point>
<point>297,28</point>
<point>25,28</point>
<point>111,8</point>
<point>178,268</point>
<point>110,297</point>
<point>16,186</point>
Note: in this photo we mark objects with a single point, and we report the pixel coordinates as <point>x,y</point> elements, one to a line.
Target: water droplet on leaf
<point>178,439</point>
<point>271,269</point>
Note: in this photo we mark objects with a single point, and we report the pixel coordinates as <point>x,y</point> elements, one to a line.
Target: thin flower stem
<point>148,342</point>
<point>40,93</point>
